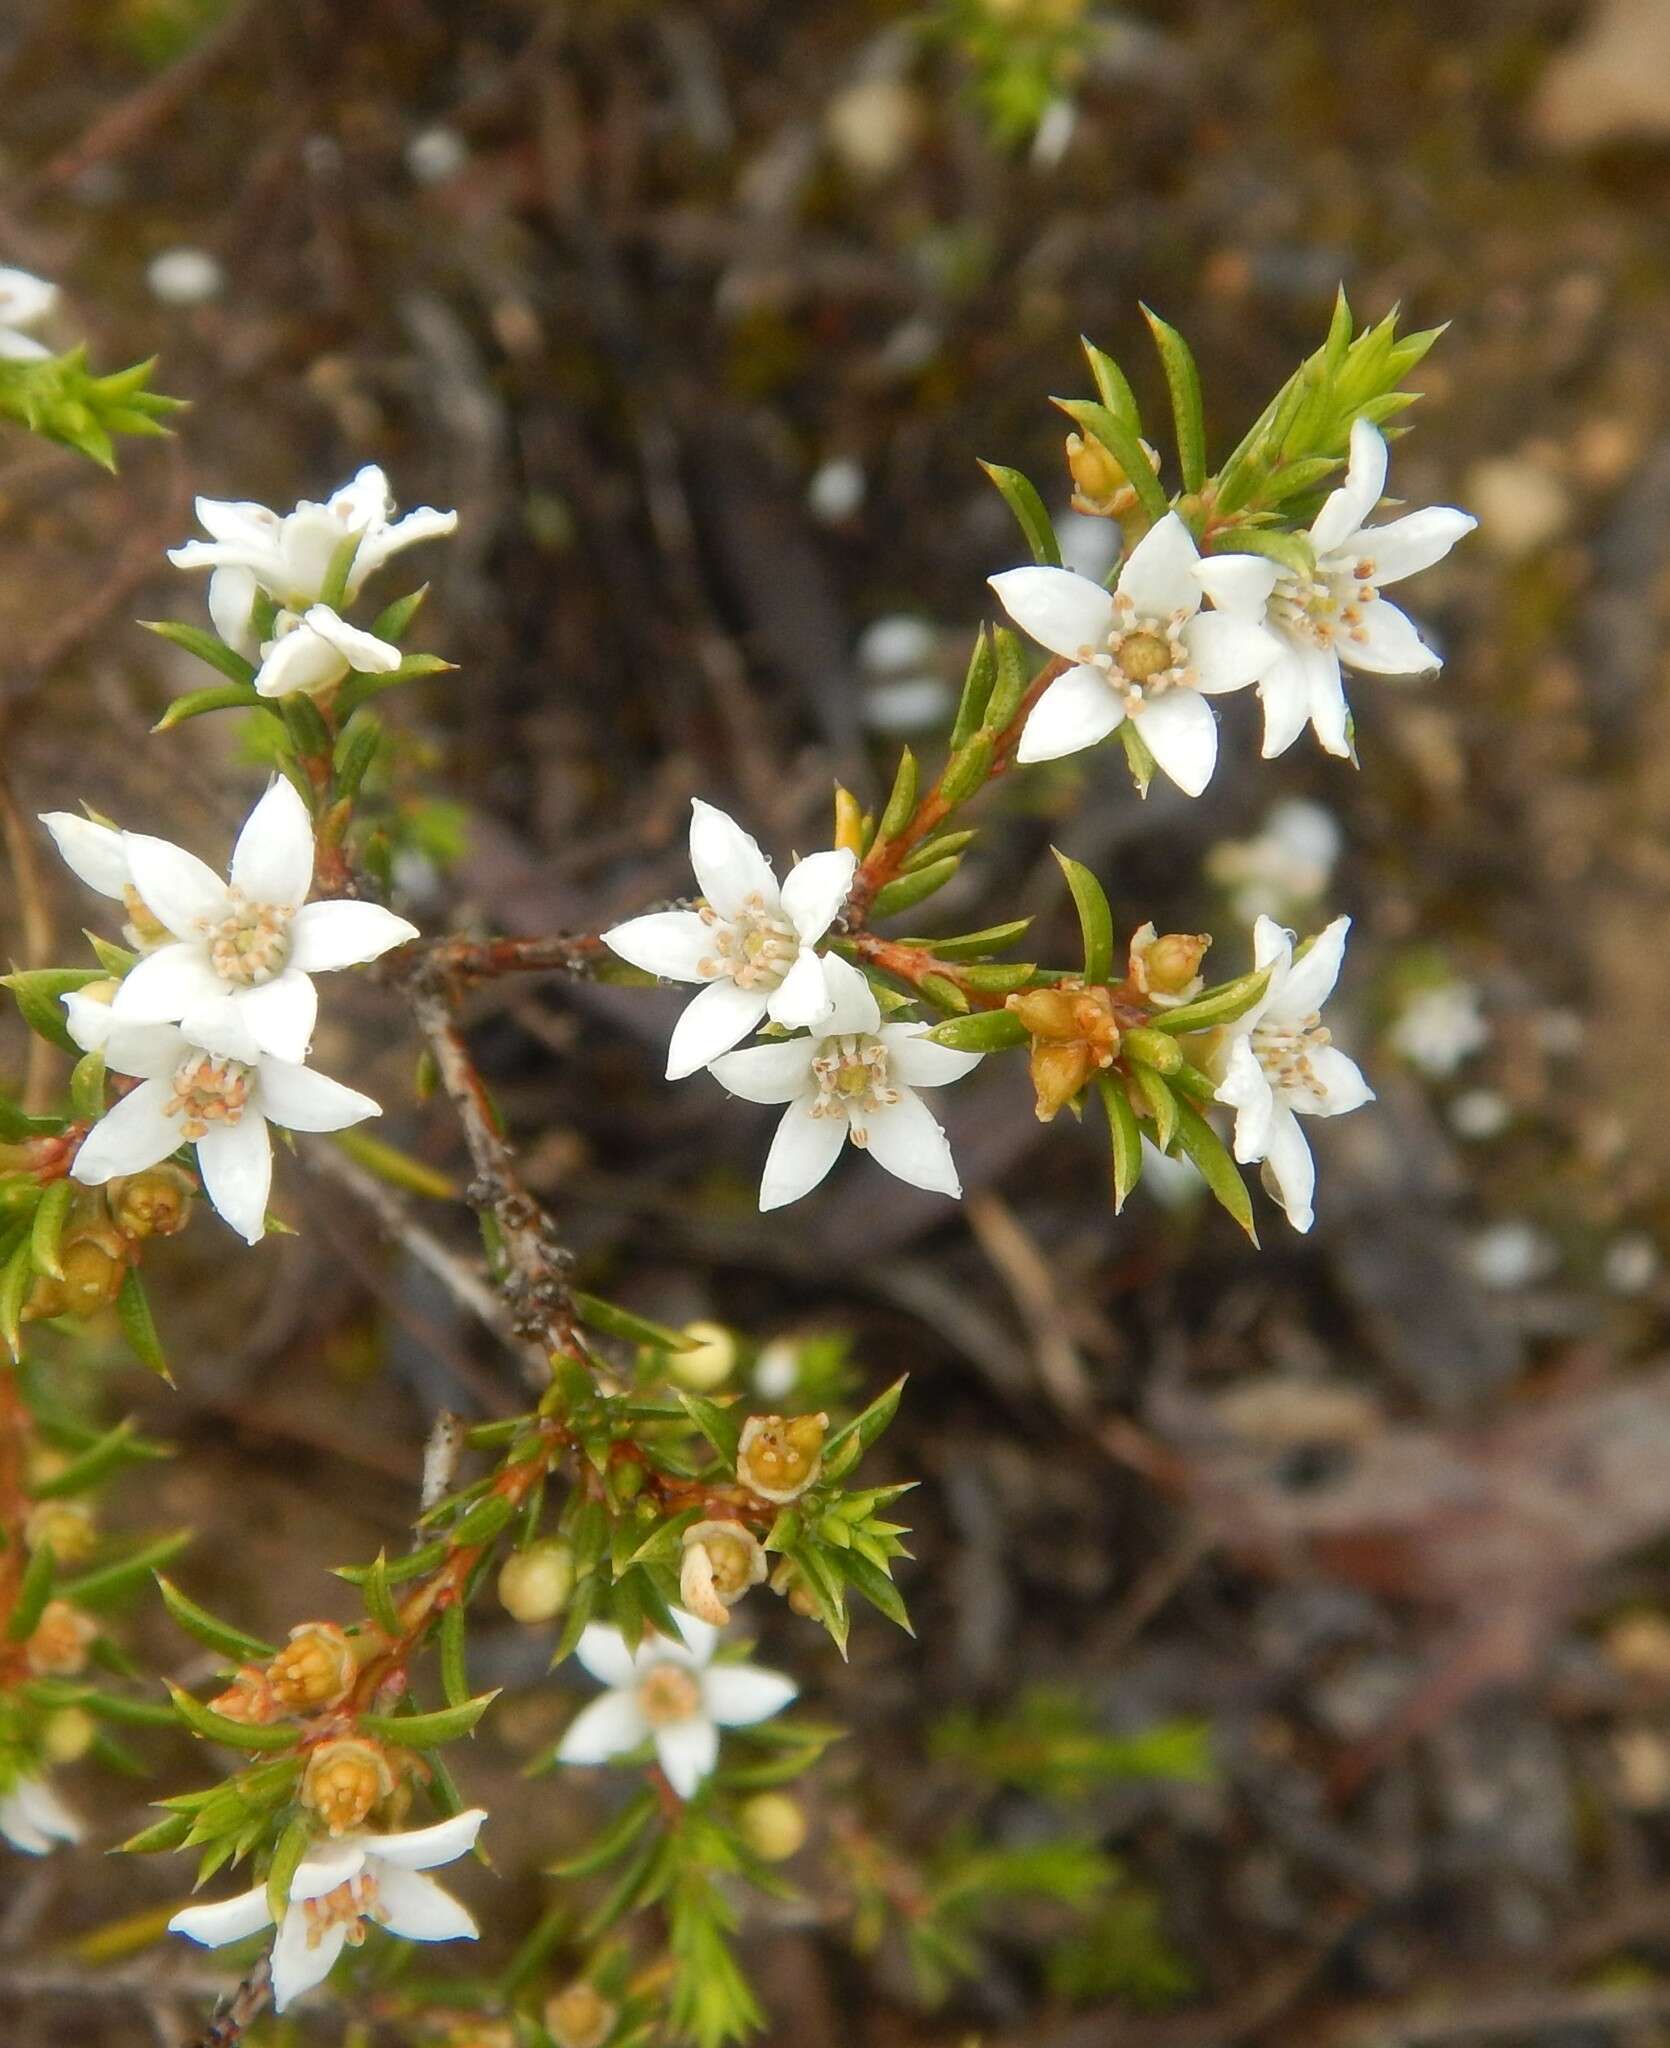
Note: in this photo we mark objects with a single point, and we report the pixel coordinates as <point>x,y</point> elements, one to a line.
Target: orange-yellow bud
<point>1074,1034</point>
<point>249,1698</point>
<point>580,2017</point>
<point>1096,474</point>
<point>61,1640</point>
<point>93,1277</point>
<point>316,1668</point>
<point>1167,968</point>
<point>344,1780</point>
<point>778,1458</point>
<point>787,1582</point>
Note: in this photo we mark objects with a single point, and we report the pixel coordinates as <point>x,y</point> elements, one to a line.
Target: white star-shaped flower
<point>338,1887</point>
<point>222,1106</point>
<point>671,1694</point>
<point>236,976</point>
<point>289,556</point>
<point>24,302</point>
<point>312,651</point>
<point>34,1819</point>
<point>854,1077</point>
<point>1146,651</point>
<point>1337,615</point>
<point>1280,1065</point>
<point>752,943</point>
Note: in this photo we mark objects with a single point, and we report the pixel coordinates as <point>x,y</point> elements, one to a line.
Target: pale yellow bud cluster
<point>1101,488</point>
<point>779,1457</point>
<point>1166,969</point>
<point>101,1238</point>
<point>249,1699</point>
<point>773,1825</point>
<point>721,1561</point>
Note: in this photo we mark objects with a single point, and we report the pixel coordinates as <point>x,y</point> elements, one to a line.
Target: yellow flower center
<point>207,1091</point>
<point>755,948</point>
<point>348,1907</point>
<point>1285,1052</point>
<point>668,1693</point>
<point>252,944</point>
<point>851,1073</point>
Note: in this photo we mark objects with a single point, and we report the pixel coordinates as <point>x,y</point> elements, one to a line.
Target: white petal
<point>278,1016</point>
<point>362,651</point>
<point>687,1752</point>
<point>232,593</point>
<point>1285,692</point>
<point>815,890</point>
<point>87,1020</point>
<point>300,1962</point>
<point>272,862</point>
<point>906,1138</point>
<point>853,1005</point>
<point>738,1695</point>
<point>1329,712</point>
<point>168,983</point>
<point>236,1162</point>
<point>221,1027</point>
<point>1310,981</point>
<point>1076,711</point>
<point>801,999</point>
<point>1237,583</point>
<point>916,1063</point>
<point>711,1024</point>
<point>261,560</point>
<point>424,523</point>
<point>93,853</point>
<point>1365,483</point>
<point>1227,653</point>
<point>415,1907</point>
<point>1182,735</point>
<point>364,502</point>
<point>1289,1165</point>
<point>224,1921</point>
<point>603,1652</point>
<point>25,298</point>
<point>34,1802</point>
<point>1159,577</point>
<point>1246,1088</point>
<point>20,1830</point>
<point>773,1072</point>
<point>1068,614</point>
<point>324,936</point>
<point>21,348</point>
<point>610,1726</point>
<point>328,1863</point>
<point>729,865</point>
<point>427,1848</point>
<point>150,1052</point>
<point>802,1152</point>
<point>1385,643</point>
<point>174,885</point>
<point>302,1100</point>
<point>1272,947</point>
<point>308,542</point>
<point>130,1137</point>
<point>1403,547</point>
<point>237,519</point>
<point>299,660</point>
<point>672,943</point>
<point>700,1640</point>
<point>1341,1081</point>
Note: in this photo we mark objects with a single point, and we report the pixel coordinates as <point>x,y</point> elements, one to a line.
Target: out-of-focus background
<point>701,315</point>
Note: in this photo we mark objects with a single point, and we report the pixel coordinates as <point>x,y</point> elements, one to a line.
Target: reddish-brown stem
<point>917,964</point>
<point>464,960</point>
<point>882,863</point>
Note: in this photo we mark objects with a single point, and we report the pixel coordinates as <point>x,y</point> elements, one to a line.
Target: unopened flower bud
<point>93,1276</point>
<point>1074,1035</point>
<point>535,1583</point>
<point>778,1457</point>
<point>773,1825</point>
<point>153,1204</point>
<point>344,1780</point>
<point>710,1364</point>
<point>60,1642</point>
<point>67,1526</point>
<point>580,2017</point>
<point>1101,487</point>
<point>68,1735</point>
<point>788,1583</point>
<point>721,1561</point>
<point>315,1669</point>
<point>1167,969</point>
<point>249,1699</point>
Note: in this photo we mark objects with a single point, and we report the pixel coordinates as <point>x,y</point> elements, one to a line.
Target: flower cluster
<point>214,1019</point>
